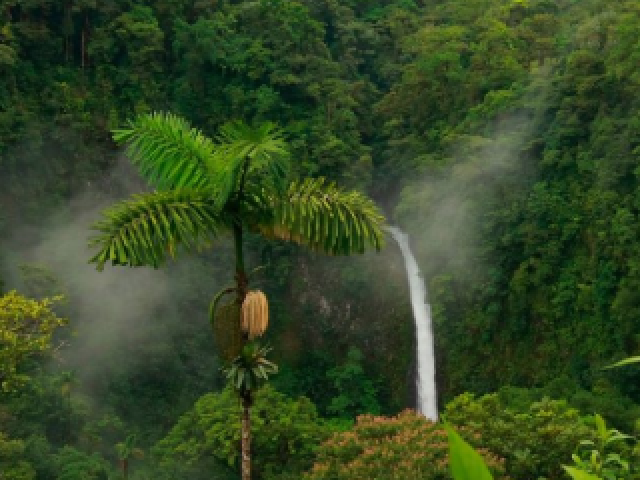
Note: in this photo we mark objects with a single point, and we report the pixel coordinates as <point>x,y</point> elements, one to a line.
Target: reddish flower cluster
<point>407,446</point>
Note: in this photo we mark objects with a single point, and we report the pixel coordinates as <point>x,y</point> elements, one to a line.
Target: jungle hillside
<point>267,145</point>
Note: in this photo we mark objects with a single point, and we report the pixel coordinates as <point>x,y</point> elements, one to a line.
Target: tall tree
<point>235,183</point>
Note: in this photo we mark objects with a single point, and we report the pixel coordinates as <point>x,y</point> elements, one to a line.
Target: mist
<point>444,211</point>
<point>121,319</point>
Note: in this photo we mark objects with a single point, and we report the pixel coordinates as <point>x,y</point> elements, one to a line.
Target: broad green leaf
<point>579,474</point>
<point>626,361</point>
<point>465,463</point>
<point>601,426</point>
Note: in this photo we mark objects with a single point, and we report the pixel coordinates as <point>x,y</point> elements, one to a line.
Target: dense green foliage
<point>355,393</point>
<point>602,458</point>
<point>546,161</point>
<point>285,433</point>
<point>27,327</point>
<point>533,440</point>
<point>12,460</point>
<point>503,135</point>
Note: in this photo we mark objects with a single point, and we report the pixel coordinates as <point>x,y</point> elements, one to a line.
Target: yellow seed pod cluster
<point>255,314</point>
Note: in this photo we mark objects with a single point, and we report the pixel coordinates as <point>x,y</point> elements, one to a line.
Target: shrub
<point>405,447</point>
<point>73,464</point>
<point>534,441</point>
<point>285,433</point>
<point>12,463</point>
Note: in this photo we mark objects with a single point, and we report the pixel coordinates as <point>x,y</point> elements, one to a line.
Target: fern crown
<point>204,187</point>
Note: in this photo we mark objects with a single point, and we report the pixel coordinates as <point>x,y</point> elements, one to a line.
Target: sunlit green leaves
<point>27,327</point>
<point>600,457</point>
<point>579,474</point>
<point>168,152</point>
<point>625,362</point>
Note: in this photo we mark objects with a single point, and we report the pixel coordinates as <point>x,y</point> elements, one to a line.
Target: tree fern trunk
<point>241,276</point>
<point>124,465</point>
<point>246,438</point>
<point>242,287</point>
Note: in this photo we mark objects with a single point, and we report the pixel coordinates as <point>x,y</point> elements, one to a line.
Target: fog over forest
<point>197,278</point>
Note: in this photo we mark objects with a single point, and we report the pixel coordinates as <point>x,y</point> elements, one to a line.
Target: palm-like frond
<point>263,147</point>
<point>142,231</point>
<point>326,218</point>
<point>168,152</point>
<point>251,368</point>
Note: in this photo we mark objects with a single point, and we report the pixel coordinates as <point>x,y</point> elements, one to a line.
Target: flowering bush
<point>405,447</point>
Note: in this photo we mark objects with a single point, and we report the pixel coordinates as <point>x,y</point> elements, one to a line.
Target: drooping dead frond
<point>255,314</point>
<point>227,332</point>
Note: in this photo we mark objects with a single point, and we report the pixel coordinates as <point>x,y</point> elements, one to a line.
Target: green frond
<point>264,147</point>
<point>251,368</point>
<point>326,218</point>
<point>168,152</point>
<point>142,231</point>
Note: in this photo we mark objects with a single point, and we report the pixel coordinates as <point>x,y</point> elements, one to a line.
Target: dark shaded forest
<point>502,135</point>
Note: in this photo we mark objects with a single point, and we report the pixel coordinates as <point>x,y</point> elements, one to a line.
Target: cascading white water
<point>426,378</point>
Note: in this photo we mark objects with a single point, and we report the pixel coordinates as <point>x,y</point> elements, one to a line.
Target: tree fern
<point>236,183</point>
<point>208,185</point>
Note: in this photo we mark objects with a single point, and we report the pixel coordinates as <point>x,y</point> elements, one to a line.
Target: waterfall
<point>426,377</point>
